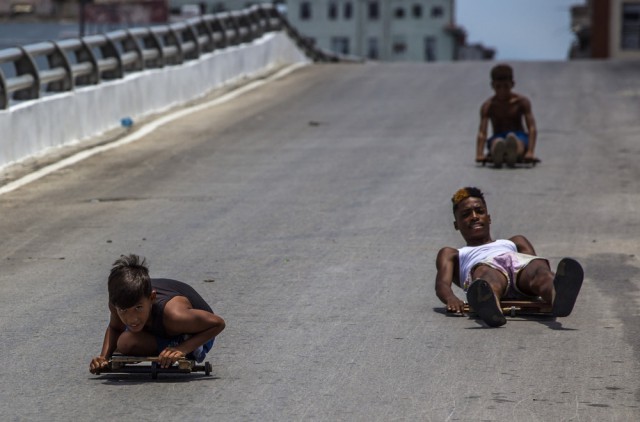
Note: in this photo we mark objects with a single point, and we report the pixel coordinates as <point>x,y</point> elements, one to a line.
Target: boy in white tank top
<point>489,270</point>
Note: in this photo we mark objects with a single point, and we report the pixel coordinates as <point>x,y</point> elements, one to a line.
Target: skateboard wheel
<point>207,368</point>
<point>154,370</point>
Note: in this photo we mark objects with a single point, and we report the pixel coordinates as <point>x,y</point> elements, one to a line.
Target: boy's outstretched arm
<point>111,335</point>
<point>481,138</point>
<point>447,266</point>
<point>181,318</point>
<point>530,121</point>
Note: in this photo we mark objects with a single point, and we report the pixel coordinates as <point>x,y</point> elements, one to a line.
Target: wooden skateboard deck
<point>120,364</point>
<point>528,163</point>
<point>519,307</point>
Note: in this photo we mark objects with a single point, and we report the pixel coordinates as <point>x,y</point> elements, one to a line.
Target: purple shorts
<point>509,264</point>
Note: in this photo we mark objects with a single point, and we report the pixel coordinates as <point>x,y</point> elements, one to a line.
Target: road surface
<point>317,204</point>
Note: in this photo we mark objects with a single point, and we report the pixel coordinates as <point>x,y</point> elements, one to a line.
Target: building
<point>606,29</point>
<point>387,30</point>
<point>215,6</point>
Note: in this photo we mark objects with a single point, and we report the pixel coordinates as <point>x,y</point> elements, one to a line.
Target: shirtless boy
<point>506,110</point>
<point>151,317</point>
<point>489,270</point>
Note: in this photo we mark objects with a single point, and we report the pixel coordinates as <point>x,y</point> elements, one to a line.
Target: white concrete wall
<point>31,128</point>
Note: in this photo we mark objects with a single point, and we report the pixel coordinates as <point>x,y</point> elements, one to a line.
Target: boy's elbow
<point>219,323</point>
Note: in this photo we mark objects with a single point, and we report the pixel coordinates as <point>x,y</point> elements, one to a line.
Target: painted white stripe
<point>143,131</point>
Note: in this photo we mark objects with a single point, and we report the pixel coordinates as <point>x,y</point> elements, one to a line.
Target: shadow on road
<point>550,321</point>
<point>136,379</point>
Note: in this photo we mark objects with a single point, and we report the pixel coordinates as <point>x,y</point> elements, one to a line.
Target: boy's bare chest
<point>505,109</point>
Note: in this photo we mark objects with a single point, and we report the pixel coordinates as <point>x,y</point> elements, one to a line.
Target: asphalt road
<point>317,204</point>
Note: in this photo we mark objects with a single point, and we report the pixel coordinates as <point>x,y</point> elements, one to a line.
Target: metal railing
<point>58,66</point>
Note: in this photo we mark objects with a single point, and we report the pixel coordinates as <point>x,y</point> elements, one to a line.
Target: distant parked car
<point>22,8</point>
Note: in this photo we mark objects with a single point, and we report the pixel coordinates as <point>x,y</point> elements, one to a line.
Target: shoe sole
<point>483,302</point>
<point>511,150</point>
<point>567,284</point>
<point>498,154</point>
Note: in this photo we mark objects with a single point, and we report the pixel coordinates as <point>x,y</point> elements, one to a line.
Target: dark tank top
<point>167,289</point>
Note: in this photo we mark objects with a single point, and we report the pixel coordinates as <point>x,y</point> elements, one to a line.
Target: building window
<point>340,45</point>
<point>305,10</point>
<point>437,12</point>
<point>332,11</point>
<point>416,10</point>
<point>372,48</point>
<point>430,49</point>
<point>630,36</point>
<point>374,10</point>
<point>399,45</point>
<point>348,10</point>
<point>399,13</point>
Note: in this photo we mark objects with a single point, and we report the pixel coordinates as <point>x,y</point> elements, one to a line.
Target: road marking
<point>144,130</point>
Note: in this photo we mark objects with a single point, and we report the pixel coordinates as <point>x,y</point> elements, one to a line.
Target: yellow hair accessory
<point>460,196</point>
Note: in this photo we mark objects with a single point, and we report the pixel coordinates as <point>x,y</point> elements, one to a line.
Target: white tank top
<point>469,256</point>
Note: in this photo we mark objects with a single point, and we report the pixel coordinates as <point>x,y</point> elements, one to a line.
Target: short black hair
<point>129,281</point>
<point>464,193</point>
<point>502,72</point>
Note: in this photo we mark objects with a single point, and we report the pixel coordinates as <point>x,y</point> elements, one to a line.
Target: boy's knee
<point>495,278</point>
<point>125,343</point>
<point>540,268</point>
<point>487,273</point>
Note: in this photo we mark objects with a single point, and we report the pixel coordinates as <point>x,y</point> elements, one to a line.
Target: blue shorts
<point>523,136</point>
<point>198,355</point>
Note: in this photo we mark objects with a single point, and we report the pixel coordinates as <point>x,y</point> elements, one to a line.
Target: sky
<point>519,29</point>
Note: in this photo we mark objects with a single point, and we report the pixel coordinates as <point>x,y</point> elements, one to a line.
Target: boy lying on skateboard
<point>506,110</point>
<point>150,317</point>
<point>489,270</point>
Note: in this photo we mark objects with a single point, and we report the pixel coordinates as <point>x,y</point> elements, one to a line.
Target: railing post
<point>83,55</point>
<point>151,41</point>
<point>57,59</point>
<point>4,97</point>
<point>129,44</point>
<point>25,65</point>
<point>109,49</point>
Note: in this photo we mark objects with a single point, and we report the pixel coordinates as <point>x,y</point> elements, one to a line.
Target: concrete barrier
<point>35,127</point>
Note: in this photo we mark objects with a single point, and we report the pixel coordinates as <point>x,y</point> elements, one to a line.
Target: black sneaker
<point>567,284</point>
<point>483,301</point>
